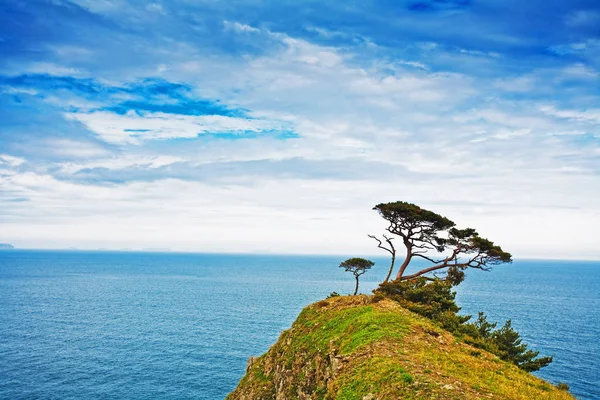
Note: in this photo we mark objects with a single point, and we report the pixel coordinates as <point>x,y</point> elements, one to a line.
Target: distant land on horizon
<point>6,246</point>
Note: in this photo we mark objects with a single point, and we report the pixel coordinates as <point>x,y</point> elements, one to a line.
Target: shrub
<point>434,299</point>
<point>408,378</point>
<point>512,349</point>
<point>429,298</point>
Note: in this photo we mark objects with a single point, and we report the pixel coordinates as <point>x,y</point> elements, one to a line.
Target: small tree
<point>512,349</point>
<point>423,231</point>
<point>357,266</point>
<point>484,328</point>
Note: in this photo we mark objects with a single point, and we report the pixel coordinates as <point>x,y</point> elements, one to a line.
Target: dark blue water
<point>99,325</point>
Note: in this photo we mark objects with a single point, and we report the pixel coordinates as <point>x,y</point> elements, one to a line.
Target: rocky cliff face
<point>351,348</point>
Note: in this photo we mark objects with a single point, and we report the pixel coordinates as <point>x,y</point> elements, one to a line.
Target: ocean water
<point>99,325</point>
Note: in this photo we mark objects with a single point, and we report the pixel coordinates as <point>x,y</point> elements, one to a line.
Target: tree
<point>484,328</point>
<point>357,266</point>
<point>513,350</point>
<point>423,232</point>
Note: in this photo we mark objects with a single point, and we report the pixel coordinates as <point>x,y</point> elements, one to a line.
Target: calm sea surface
<point>98,325</point>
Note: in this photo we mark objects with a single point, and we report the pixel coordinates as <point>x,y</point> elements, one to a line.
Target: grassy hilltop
<point>352,348</point>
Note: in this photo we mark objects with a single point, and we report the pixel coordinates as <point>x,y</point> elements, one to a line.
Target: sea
<point>142,325</point>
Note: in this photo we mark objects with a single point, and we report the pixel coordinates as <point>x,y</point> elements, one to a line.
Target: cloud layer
<point>250,128</point>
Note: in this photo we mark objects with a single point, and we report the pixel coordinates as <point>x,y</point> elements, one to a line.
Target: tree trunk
<point>356,288</point>
<point>387,278</point>
<point>406,260</point>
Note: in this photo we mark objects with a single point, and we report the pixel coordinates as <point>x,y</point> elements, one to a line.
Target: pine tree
<point>513,350</point>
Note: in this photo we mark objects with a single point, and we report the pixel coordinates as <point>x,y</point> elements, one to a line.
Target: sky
<point>276,126</point>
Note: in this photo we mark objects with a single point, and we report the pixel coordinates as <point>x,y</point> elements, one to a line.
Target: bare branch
<point>427,258</point>
<point>391,250</point>
<point>380,244</point>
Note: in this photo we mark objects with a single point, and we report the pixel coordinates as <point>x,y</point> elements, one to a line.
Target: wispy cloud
<point>134,127</point>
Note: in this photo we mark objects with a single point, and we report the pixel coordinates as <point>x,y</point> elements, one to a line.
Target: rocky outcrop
<point>352,348</point>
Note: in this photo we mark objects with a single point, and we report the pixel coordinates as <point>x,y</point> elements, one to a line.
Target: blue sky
<point>262,126</point>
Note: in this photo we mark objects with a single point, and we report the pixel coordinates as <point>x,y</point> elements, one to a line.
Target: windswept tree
<point>357,266</point>
<point>435,239</point>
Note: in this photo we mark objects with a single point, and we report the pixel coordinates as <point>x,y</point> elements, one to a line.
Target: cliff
<point>351,348</point>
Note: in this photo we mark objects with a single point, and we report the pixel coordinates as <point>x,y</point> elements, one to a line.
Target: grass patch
<point>346,348</point>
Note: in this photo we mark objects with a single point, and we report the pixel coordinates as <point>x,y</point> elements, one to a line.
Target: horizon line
<point>248,253</point>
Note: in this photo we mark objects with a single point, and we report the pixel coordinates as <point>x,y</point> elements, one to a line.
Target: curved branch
<point>380,243</point>
<point>445,264</point>
<point>427,258</point>
<point>391,250</point>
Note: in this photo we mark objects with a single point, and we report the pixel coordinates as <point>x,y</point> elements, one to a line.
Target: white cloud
<point>74,149</point>
<point>581,71</point>
<point>52,69</point>
<point>522,84</point>
<point>133,128</point>
<point>451,142</point>
<point>590,115</point>
<point>236,26</point>
<point>301,216</point>
<point>16,90</point>
<point>121,162</point>
<point>11,161</point>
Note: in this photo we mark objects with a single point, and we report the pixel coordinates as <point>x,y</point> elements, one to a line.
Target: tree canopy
<point>357,266</point>
<point>435,238</point>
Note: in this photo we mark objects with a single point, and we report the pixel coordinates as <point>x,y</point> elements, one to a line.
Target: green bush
<point>512,349</point>
<point>430,298</point>
<point>434,299</point>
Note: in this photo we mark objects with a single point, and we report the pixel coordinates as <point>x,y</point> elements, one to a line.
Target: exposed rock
<point>251,362</point>
<point>351,348</point>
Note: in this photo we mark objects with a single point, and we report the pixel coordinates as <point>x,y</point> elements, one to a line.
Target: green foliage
<point>407,378</point>
<point>493,253</point>
<point>484,328</point>
<point>429,299</point>
<point>512,349</point>
<point>434,299</point>
<point>404,216</point>
<point>563,386</point>
<point>357,266</point>
<point>333,294</point>
<point>401,212</point>
<point>455,275</point>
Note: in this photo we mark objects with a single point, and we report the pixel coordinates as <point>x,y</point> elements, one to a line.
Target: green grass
<point>350,328</point>
<point>347,347</point>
